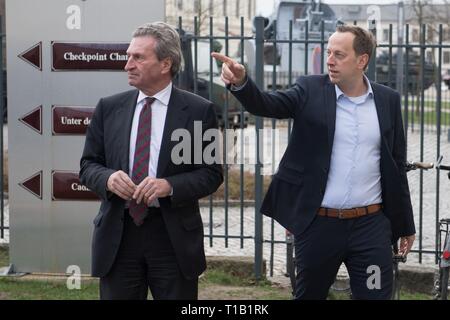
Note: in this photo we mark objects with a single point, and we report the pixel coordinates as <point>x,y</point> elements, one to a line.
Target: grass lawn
<point>234,186</point>
<point>429,118</point>
<point>414,114</point>
<point>214,284</point>
<point>22,289</point>
<point>404,295</point>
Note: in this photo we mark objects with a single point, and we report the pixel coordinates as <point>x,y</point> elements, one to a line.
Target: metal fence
<point>3,225</point>
<point>232,220</point>
<point>426,112</point>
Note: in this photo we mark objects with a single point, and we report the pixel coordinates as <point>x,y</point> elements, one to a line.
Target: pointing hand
<point>232,71</point>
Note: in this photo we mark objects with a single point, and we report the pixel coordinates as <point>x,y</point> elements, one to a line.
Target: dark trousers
<point>363,244</point>
<point>146,260</point>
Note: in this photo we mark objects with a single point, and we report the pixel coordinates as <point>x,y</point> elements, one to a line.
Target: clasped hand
<point>147,191</point>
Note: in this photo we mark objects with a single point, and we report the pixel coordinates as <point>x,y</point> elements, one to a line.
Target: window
<point>211,7</point>
<point>430,34</point>
<point>446,57</point>
<point>386,35</point>
<point>196,6</point>
<point>249,13</point>
<point>237,8</point>
<point>415,35</point>
<point>180,4</point>
<point>445,34</point>
<point>225,13</point>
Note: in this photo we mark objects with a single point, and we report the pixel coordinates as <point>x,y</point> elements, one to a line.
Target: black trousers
<point>146,260</point>
<point>363,244</point>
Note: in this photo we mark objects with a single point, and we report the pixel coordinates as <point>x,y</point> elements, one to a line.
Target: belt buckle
<point>340,214</point>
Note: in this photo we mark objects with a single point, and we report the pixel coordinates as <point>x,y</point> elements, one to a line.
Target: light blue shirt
<point>354,179</point>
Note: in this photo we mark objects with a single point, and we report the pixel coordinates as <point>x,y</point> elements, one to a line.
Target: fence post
<point>259,124</point>
<point>2,112</point>
<point>372,62</point>
<point>400,31</point>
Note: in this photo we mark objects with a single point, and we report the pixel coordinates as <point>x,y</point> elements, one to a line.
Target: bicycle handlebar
<point>424,165</point>
<point>418,165</point>
<point>396,256</point>
<point>399,258</point>
<point>440,166</point>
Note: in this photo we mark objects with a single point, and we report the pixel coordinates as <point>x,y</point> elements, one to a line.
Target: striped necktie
<point>141,159</point>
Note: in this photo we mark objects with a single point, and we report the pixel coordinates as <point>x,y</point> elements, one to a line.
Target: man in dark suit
<point>341,186</point>
<point>148,233</point>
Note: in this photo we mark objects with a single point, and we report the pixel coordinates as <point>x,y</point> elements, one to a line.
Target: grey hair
<point>167,42</point>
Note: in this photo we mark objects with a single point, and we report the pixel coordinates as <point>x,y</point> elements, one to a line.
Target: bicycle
<point>290,260</point>
<point>396,258</point>
<point>441,284</point>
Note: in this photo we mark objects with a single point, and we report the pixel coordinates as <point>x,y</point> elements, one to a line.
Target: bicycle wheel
<point>444,283</point>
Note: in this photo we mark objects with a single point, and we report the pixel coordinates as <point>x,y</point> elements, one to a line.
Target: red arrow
<point>33,119</point>
<point>33,56</point>
<point>33,184</point>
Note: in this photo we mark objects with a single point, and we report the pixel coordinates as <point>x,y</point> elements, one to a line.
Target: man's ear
<point>166,65</point>
<point>363,60</point>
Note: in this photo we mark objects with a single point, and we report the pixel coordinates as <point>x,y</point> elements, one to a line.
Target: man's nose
<point>128,65</point>
<point>330,59</point>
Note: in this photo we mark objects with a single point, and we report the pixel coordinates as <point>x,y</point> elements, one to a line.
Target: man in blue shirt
<point>341,187</point>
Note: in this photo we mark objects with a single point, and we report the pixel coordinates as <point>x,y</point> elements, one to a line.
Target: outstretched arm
<point>279,104</point>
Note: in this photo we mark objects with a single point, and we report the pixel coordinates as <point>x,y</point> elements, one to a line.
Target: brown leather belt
<point>349,213</point>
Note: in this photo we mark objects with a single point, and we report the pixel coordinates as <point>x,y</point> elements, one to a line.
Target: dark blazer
<point>106,150</point>
<point>298,187</point>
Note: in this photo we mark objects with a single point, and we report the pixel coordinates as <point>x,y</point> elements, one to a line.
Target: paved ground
<point>276,254</point>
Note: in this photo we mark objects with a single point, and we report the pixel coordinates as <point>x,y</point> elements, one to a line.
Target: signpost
<point>63,56</point>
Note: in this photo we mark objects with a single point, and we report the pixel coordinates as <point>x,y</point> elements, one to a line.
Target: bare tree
<point>202,11</point>
<point>430,15</point>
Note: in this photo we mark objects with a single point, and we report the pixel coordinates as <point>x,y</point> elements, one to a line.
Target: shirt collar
<point>369,91</point>
<point>162,96</point>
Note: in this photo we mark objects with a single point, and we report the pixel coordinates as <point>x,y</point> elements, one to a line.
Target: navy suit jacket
<point>298,187</point>
<point>106,150</point>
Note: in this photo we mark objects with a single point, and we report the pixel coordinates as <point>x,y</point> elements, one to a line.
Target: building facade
<point>217,9</point>
<point>415,14</point>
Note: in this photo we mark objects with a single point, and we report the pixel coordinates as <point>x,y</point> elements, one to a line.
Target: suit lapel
<point>382,113</point>
<point>125,117</point>
<point>176,117</point>
<point>330,106</point>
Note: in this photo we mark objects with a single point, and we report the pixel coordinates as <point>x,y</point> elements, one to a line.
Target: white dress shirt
<point>354,179</point>
<point>159,112</point>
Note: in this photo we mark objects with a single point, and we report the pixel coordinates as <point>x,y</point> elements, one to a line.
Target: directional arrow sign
<point>33,56</point>
<point>71,119</point>
<point>33,184</point>
<point>66,186</point>
<point>71,56</point>
<point>33,119</point>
